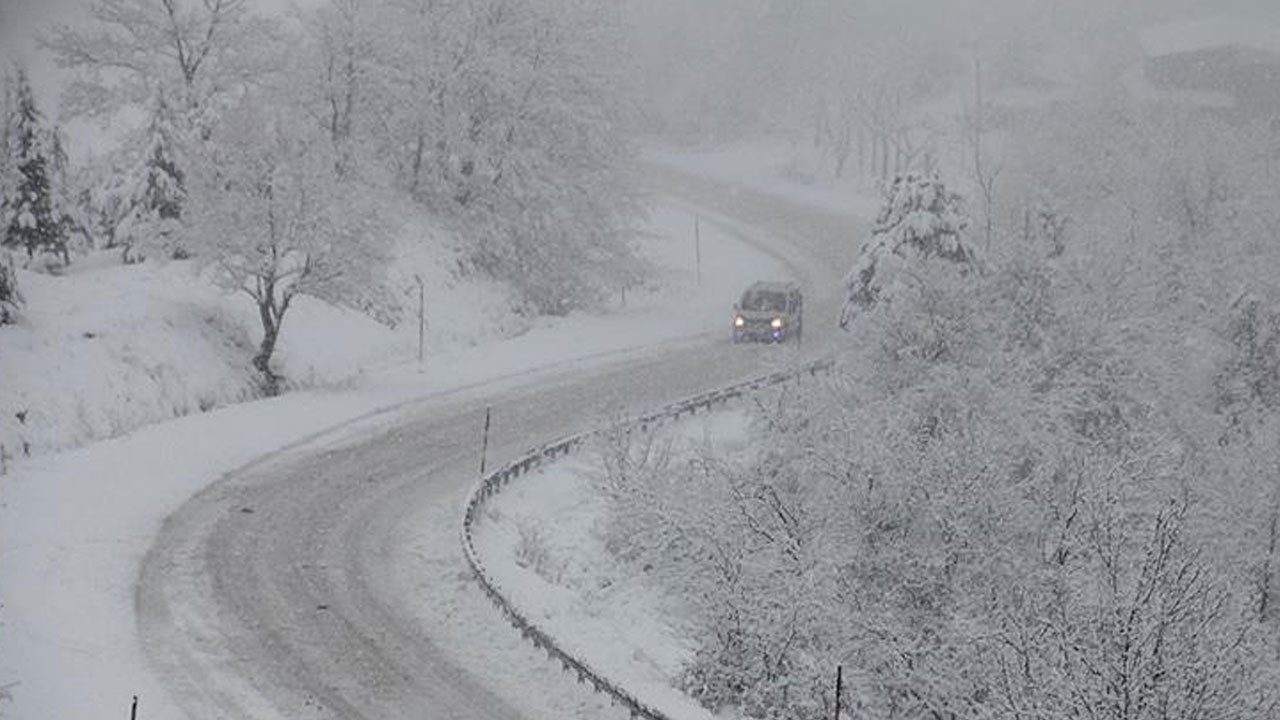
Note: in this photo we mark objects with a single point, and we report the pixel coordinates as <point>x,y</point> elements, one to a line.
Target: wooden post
<point>697,250</point>
<point>422,316</point>
<point>484,445</point>
<point>839,688</point>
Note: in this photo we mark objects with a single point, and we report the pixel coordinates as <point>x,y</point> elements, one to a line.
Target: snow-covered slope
<point>107,348</point>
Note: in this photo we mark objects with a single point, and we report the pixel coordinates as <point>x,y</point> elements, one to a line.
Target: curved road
<point>327,581</point>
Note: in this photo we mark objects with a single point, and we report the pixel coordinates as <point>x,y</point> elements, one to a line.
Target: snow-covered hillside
<point>106,347</point>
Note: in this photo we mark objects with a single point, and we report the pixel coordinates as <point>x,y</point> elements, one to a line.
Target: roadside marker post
<point>839,688</point>
<point>484,444</point>
<point>697,250</point>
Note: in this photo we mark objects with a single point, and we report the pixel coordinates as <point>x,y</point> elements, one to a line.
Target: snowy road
<point>327,580</point>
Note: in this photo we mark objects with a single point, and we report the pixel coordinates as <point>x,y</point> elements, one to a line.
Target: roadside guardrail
<point>495,482</point>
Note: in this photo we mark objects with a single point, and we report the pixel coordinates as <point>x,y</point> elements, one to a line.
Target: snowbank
<point>108,348</point>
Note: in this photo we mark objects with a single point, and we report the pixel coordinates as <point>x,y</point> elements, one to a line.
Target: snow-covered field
<point>542,539</point>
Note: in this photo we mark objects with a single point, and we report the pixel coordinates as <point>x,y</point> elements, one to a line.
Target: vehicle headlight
<point>776,324</point>
<point>738,321</point>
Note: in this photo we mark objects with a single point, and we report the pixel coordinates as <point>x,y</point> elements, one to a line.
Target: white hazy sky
<point>22,20</point>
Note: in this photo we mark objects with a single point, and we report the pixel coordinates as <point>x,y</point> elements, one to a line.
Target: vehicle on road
<point>769,311</point>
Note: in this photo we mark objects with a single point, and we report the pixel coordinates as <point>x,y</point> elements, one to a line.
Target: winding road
<point>327,581</point>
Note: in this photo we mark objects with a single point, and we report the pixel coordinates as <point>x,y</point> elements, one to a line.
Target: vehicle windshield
<point>764,301</point>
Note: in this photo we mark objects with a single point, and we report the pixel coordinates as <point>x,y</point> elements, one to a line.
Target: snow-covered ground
<point>542,540</point>
<point>74,525</point>
<point>107,348</point>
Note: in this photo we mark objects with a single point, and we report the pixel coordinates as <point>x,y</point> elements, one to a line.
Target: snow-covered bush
<point>533,553</point>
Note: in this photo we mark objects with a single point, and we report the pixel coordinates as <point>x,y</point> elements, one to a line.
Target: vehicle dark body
<point>769,312</point>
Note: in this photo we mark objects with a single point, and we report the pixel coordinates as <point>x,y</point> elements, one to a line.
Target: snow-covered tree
<point>920,220</point>
<point>506,117</point>
<point>70,205</point>
<point>10,296</point>
<point>273,222</point>
<point>198,53</point>
<point>7,179</point>
<point>336,75</point>
<point>152,224</point>
<point>31,223</point>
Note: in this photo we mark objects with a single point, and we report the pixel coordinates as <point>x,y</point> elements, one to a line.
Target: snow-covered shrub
<point>533,553</point>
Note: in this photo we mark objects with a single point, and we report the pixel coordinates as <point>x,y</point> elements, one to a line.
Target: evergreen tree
<point>7,182</point>
<point>920,219</point>
<point>158,194</point>
<point>68,204</point>
<point>31,222</point>
<point>10,296</point>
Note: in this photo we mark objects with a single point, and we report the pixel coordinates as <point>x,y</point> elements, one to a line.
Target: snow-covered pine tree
<point>920,219</point>
<point>31,223</point>
<point>10,296</point>
<point>152,223</point>
<point>6,165</point>
<point>67,205</point>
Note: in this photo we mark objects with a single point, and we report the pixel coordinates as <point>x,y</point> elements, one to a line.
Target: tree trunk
<point>262,361</point>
